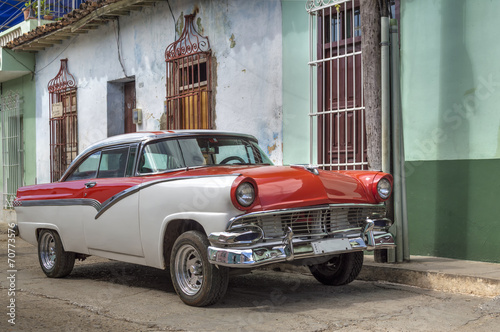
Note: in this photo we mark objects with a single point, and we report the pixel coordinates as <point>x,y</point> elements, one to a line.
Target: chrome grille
<point>313,221</point>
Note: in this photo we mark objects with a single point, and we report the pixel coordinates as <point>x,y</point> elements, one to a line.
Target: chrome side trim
<point>63,202</point>
<point>106,205</point>
<point>132,190</point>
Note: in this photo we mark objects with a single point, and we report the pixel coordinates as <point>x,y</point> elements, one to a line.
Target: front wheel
<point>339,270</point>
<point>197,282</point>
<point>54,260</point>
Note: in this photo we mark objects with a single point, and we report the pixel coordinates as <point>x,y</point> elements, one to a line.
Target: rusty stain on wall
<point>232,40</point>
<point>271,148</point>
<point>199,27</point>
<point>179,25</point>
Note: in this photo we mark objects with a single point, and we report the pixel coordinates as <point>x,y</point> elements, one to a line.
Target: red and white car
<point>201,203</point>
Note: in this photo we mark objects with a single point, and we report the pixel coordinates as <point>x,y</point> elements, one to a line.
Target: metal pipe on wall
<point>402,251</point>
<point>385,98</point>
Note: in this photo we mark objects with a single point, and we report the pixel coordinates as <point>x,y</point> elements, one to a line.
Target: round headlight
<point>384,188</point>
<point>245,194</point>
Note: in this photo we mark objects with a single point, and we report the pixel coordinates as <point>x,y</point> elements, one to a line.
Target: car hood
<point>281,187</point>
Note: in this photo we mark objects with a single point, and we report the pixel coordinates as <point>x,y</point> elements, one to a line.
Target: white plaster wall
<point>247,90</point>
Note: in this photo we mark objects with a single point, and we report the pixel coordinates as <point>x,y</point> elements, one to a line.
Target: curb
<point>404,274</point>
<point>426,276</point>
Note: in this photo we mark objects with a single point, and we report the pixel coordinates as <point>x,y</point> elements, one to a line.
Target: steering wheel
<point>228,159</point>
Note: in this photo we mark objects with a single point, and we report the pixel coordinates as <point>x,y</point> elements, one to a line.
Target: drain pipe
<point>402,249</point>
<point>400,216</point>
<point>385,98</point>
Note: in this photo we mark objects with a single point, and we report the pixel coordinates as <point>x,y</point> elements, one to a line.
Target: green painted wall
<point>25,85</point>
<point>454,209</point>
<point>295,82</point>
<point>450,79</point>
<point>450,89</point>
<point>11,61</point>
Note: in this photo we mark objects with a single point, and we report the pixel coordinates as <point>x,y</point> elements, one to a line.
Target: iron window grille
<point>188,101</point>
<point>63,121</point>
<point>337,110</point>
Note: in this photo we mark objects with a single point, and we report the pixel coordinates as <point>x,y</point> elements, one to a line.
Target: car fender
<point>70,229</point>
<point>204,199</point>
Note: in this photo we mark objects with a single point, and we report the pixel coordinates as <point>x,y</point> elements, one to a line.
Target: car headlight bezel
<point>384,188</point>
<point>244,193</point>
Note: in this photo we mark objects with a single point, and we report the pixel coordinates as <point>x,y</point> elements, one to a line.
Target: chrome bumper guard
<point>292,248</point>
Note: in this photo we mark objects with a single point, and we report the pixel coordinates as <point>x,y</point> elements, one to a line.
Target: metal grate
<point>313,222</point>
<point>63,121</point>
<point>337,111</point>
<point>12,147</point>
<point>189,65</point>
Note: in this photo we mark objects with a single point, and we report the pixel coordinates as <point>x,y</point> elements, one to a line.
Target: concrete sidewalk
<point>443,274</point>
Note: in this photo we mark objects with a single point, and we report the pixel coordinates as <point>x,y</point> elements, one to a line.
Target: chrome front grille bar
<point>312,221</point>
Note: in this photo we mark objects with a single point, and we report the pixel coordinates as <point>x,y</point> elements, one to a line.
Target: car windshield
<point>221,151</point>
<point>165,155</point>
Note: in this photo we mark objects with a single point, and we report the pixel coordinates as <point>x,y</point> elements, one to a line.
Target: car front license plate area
<point>330,245</point>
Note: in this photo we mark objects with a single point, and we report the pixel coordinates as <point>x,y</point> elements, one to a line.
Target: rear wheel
<point>197,282</point>
<point>339,270</point>
<point>54,260</point>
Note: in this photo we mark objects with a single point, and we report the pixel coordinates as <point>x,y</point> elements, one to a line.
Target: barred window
<point>188,102</point>
<point>63,121</point>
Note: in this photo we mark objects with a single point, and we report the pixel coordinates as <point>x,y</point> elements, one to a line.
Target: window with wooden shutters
<point>188,102</point>
<point>63,121</point>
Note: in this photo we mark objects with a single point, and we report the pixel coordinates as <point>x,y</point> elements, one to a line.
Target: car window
<point>113,163</point>
<point>87,169</point>
<point>221,151</point>
<point>160,157</point>
<point>131,158</point>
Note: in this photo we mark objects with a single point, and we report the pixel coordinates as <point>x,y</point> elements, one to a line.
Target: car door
<point>115,226</point>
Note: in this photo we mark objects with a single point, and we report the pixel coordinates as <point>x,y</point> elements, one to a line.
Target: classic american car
<point>202,203</point>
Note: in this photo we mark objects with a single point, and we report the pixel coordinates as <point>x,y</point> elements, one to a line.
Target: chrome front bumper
<point>225,252</point>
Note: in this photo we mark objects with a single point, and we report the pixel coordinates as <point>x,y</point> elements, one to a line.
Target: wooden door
<point>129,93</point>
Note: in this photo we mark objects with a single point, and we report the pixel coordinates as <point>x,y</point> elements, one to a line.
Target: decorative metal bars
<point>63,121</point>
<point>50,9</point>
<point>12,147</point>
<point>189,66</point>
<point>337,111</point>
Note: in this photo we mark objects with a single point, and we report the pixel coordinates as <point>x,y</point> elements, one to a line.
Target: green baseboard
<point>454,209</point>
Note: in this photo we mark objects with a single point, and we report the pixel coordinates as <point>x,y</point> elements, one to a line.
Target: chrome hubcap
<point>189,269</point>
<point>48,251</point>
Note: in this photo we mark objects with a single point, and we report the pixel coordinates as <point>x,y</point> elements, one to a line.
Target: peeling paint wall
<point>245,38</point>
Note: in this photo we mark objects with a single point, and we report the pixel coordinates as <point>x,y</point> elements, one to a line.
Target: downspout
<point>385,98</point>
<point>400,216</point>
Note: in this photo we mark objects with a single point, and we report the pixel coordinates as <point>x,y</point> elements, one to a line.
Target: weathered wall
<point>245,38</point>
<point>450,95</point>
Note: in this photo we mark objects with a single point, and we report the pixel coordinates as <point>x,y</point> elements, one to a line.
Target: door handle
<point>90,184</point>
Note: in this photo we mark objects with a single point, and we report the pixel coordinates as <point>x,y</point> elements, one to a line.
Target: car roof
<point>149,135</point>
<point>142,136</point>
